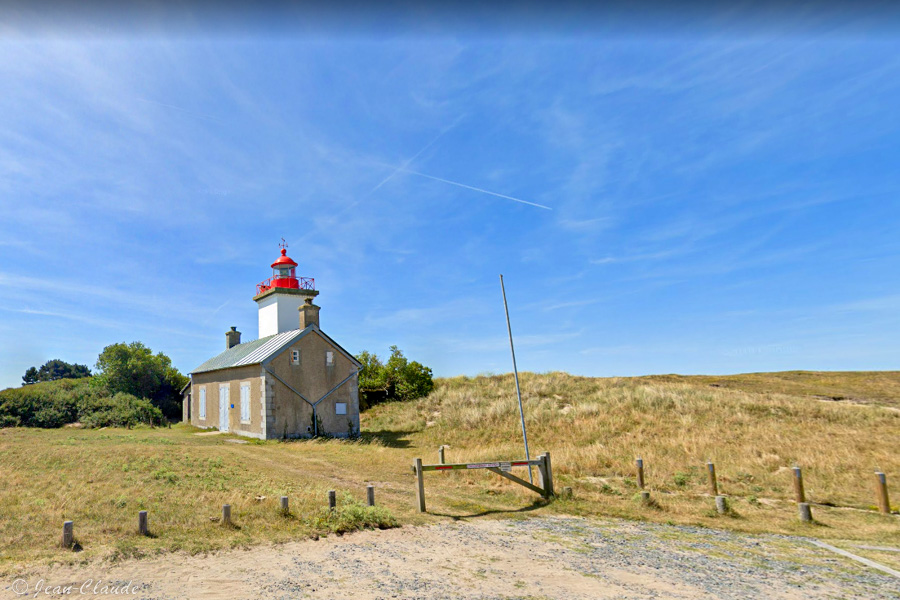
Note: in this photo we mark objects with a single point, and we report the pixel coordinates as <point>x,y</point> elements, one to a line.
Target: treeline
<point>396,379</point>
<point>53,370</point>
<point>132,386</point>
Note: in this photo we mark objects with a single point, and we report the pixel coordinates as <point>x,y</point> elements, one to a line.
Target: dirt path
<point>568,557</point>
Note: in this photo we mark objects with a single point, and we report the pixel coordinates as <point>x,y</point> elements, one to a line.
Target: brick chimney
<point>232,338</point>
<point>309,314</point>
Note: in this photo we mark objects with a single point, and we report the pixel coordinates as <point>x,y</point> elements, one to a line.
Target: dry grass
<point>594,428</point>
<point>871,387</point>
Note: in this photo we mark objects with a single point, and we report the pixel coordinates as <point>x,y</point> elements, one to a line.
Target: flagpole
<point>516,374</point>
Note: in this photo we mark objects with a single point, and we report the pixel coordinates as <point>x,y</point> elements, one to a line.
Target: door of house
<point>223,408</point>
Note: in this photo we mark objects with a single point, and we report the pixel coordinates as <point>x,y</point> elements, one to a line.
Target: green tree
<point>407,380</point>
<point>397,379</point>
<point>30,376</point>
<point>372,375</point>
<point>134,369</point>
<point>55,369</point>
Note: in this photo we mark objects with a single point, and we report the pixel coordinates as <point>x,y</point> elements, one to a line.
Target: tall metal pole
<point>516,374</point>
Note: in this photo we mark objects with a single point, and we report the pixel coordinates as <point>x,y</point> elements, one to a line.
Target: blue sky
<point>722,199</point>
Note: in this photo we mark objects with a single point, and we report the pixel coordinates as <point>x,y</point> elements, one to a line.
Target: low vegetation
<point>85,401</point>
<point>133,387</point>
<point>594,429</point>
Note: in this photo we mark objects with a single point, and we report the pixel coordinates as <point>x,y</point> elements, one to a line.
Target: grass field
<point>755,427</point>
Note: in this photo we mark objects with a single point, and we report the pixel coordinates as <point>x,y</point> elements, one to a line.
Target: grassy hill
<point>871,387</point>
<point>755,427</point>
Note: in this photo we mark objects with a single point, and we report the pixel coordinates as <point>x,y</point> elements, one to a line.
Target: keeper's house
<point>294,381</point>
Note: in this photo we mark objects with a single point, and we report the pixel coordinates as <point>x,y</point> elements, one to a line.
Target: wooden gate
<point>501,468</point>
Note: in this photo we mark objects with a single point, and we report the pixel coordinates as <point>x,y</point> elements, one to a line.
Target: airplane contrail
<point>408,162</point>
<point>400,169</point>
<point>469,187</point>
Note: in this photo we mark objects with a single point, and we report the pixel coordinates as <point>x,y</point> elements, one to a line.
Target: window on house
<point>295,357</point>
<point>329,358</point>
<point>340,408</point>
<point>245,402</point>
<point>202,403</point>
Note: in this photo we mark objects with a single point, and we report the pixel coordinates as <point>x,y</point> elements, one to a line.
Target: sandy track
<point>568,557</point>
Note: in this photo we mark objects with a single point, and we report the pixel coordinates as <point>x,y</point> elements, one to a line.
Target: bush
<point>398,379</point>
<point>53,404</point>
<point>351,515</point>
<point>46,404</point>
<point>121,410</point>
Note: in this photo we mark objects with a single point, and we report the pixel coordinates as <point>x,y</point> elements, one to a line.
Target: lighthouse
<point>294,381</point>
<point>285,300</point>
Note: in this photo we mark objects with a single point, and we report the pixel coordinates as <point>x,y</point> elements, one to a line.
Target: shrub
<point>45,404</point>
<point>55,403</point>
<point>398,379</point>
<point>351,515</point>
<point>121,410</point>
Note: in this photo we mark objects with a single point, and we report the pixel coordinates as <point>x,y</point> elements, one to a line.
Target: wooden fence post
<point>285,506</point>
<point>542,475</point>
<point>420,485</point>
<point>546,474</point>
<point>884,504</point>
<point>143,527</point>
<point>332,499</point>
<point>441,455</point>
<point>548,484</point>
<point>799,493</point>
<point>370,495</point>
<point>713,484</point>
<point>640,472</point>
<point>68,534</point>
<point>805,512</point>
<point>226,514</point>
<point>721,505</point>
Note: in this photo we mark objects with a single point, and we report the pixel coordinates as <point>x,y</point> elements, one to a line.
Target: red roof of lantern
<point>284,260</point>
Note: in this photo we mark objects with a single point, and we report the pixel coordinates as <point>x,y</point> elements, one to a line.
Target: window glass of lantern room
<point>202,403</point>
<point>295,357</point>
<point>329,358</point>
<point>340,408</point>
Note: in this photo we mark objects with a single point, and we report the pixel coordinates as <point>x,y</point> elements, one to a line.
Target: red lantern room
<point>283,272</point>
<point>284,276</point>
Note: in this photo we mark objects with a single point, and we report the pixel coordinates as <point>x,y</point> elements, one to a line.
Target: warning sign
<point>506,467</point>
<point>483,466</point>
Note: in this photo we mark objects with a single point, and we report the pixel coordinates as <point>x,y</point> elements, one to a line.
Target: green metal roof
<point>250,353</point>
<point>258,351</point>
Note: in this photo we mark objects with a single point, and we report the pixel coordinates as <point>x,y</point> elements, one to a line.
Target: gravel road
<point>547,557</point>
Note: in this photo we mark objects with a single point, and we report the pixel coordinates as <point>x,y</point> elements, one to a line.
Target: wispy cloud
<point>649,256</point>
<point>184,110</point>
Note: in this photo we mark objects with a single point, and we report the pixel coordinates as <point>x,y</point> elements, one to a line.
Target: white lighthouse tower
<point>281,297</point>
